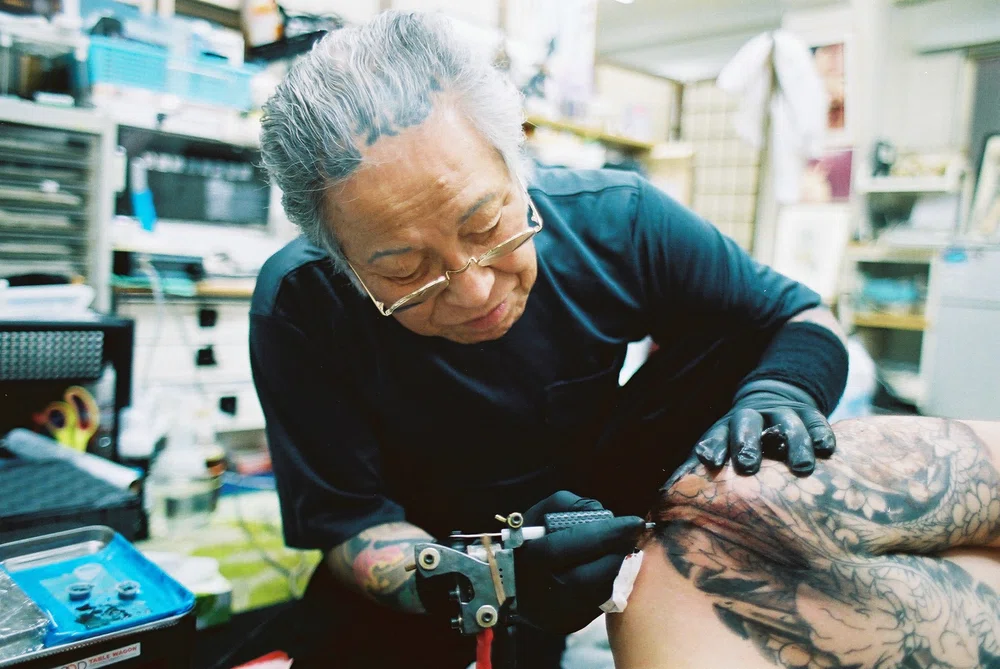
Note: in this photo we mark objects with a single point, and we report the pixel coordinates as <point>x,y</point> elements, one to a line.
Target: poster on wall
<point>551,46</point>
<point>828,178</point>
<point>831,63</point>
<point>547,48</point>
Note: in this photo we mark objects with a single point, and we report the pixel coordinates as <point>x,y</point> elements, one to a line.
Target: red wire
<point>484,643</point>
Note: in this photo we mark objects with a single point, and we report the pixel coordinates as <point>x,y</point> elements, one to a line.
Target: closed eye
<point>488,232</point>
<point>403,279</point>
<point>409,278</point>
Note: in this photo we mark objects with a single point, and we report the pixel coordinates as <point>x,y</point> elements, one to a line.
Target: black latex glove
<point>564,577</point>
<point>796,430</point>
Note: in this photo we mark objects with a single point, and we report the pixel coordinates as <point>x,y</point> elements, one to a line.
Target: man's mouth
<point>489,320</point>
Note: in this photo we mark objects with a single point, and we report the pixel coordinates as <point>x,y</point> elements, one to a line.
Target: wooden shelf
<point>892,254</point>
<point>209,288</point>
<point>586,132</point>
<point>912,322</point>
<point>239,288</point>
<point>915,185</point>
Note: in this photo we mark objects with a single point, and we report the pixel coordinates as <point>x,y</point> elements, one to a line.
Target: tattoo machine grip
<point>566,519</point>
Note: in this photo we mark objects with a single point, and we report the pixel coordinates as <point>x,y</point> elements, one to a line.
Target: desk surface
<point>244,535</point>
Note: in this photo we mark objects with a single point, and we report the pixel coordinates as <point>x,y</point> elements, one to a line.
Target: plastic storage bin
<point>205,80</point>
<point>125,63</point>
<point>210,81</point>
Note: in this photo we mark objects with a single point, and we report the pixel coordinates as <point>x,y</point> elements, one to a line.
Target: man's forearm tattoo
<point>375,562</point>
<point>832,571</point>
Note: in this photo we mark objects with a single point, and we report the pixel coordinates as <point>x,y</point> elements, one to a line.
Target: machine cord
<point>484,647</point>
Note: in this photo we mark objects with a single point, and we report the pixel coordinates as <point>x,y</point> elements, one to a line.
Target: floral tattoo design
<point>837,570</point>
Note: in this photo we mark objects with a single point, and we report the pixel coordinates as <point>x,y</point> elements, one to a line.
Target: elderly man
<point>444,342</point>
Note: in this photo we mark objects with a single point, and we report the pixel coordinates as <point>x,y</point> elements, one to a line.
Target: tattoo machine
<point>485,591</point>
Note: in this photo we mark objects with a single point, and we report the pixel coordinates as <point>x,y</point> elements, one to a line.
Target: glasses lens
<point>507,247</point>
<point>420,296</point>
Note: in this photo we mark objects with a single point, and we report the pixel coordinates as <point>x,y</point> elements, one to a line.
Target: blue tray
<point>92,582</point>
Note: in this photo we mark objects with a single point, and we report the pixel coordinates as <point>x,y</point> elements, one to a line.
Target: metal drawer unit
<point>56,191</point>
<point>44,197</point>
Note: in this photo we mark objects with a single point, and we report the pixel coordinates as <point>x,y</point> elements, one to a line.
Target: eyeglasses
<point>440,284</point>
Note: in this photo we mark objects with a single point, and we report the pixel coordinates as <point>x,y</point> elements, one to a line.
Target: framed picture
<point>828,178</point>
<point>831,63</point>
<point>984,218</point>
<point>810,242</point>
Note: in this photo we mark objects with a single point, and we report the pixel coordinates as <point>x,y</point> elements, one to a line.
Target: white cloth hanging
<point>798,107</point>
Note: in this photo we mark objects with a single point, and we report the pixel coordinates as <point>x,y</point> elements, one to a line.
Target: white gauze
<point>624,581</point>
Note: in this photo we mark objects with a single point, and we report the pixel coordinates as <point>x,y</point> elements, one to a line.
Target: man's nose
<point>470,287</point>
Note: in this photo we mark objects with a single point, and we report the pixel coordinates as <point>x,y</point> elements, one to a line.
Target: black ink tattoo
<point>374,562</point>
<point>837,570</point>
<point>373,124</point>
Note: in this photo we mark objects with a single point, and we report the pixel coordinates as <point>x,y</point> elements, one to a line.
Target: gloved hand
<point>795,430</point>
<point>564,577</point>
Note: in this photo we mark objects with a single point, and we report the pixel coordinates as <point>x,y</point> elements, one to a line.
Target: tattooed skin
<point>373,124</point>
<point>810,569</point>
<point>375,563</point>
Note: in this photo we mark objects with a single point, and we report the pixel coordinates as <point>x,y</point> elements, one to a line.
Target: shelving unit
<point>888,321</point>
<point>884,253</point>
<point>55,190</point>
<point>591,133</point>
<point>895,339</point>
<point>917,185</point>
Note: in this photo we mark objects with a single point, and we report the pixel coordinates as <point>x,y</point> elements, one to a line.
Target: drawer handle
<point>205,357</point>
<point>227,404</point>
<point>207,317</point>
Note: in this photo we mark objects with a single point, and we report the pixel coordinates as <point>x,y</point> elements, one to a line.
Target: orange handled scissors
<point>74,420</point>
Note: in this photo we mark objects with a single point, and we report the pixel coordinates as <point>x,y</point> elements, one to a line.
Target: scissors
<point>74,420</point>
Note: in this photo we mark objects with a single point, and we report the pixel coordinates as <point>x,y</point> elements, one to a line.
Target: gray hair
<point>362,82</point>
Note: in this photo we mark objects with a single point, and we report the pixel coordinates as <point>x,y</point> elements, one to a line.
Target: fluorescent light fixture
<point>626,2</point>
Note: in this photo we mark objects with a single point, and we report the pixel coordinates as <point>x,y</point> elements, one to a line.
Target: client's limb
<point>825,571</point>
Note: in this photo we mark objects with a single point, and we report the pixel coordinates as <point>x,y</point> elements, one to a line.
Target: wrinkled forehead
<point>434,169</point>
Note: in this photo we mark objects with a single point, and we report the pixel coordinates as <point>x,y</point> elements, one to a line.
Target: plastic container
<point>203,79</point>
<point>126,63</point>
<point>182,489</point>
<point>60,301</point>
<point>211,81</point>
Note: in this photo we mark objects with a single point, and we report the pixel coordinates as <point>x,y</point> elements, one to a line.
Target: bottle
<point>182,490</point>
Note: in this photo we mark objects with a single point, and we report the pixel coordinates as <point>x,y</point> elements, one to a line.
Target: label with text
<point>104,659</point>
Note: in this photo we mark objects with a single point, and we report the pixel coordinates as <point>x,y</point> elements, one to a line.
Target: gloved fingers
<point>823,439</point>
<point>801,458</point>
<point>592,582</point>
<point>713,447</point>
<point>744,440</point>
<point>561,501</point>
<point>581,544</point>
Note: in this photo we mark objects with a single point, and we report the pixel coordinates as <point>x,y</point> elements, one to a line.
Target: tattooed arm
<point>852,567</point>
<point>374,564</point>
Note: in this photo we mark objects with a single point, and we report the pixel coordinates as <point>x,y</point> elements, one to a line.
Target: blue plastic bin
<point>125,63</point>
<point>206,80</point>
<point>210,81</point>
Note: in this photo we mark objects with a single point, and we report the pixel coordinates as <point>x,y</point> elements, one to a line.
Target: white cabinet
<point>198,347</point>
<point>961,348</point>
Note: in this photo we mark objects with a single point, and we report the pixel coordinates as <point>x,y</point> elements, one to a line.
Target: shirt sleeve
<point>696,277</point>
<point>325,457</point>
